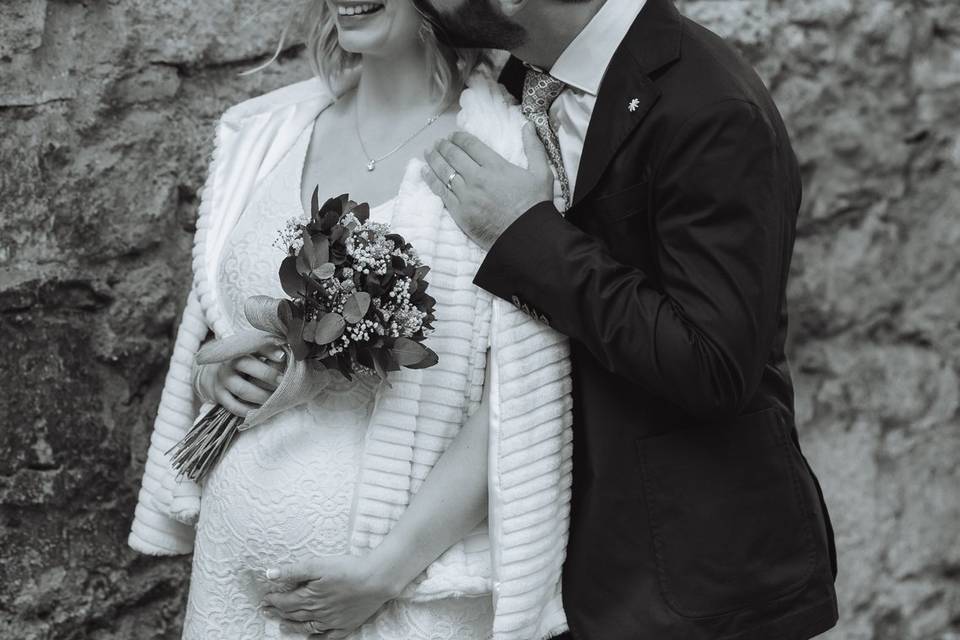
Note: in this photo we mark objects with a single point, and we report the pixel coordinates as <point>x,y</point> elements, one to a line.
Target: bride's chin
<point>369,47</point>
<point>366,42</point>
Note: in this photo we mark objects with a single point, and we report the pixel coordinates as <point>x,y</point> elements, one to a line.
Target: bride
<point>434,507</point>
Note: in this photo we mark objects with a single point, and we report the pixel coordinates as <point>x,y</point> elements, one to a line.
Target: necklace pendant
<point>371,165</point>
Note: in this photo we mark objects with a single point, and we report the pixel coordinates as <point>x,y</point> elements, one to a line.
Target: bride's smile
<point>353,10</point>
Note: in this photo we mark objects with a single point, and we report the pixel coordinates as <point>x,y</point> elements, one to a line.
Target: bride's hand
<point>243,384</point>
<point>336,594</point>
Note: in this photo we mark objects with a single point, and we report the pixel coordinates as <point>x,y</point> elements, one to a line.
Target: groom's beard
<point>475,24</point>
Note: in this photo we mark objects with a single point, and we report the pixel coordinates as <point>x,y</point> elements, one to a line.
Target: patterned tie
<point>539,91</point>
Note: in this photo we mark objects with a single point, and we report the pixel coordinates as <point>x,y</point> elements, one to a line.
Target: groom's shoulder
<point>298,92</point>
<point>709,71</point>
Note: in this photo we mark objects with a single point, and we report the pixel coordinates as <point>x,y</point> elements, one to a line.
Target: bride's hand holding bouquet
<point>244,383</point>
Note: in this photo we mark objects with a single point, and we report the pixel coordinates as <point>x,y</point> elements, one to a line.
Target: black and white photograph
<point>480,320</point>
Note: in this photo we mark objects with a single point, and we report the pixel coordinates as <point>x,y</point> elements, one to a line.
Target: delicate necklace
<point>372,162</point>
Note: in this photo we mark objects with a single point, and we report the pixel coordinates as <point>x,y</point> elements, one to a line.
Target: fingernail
<point>273,574</point>
<point>269,613</point>
<point>277,354</point>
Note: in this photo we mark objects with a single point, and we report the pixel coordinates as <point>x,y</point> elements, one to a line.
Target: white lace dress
<point>286,489</point>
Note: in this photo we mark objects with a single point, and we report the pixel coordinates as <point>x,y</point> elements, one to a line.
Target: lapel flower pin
<point>634,105</point>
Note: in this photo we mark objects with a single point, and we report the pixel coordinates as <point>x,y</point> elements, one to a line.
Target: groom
<point>663,253</point>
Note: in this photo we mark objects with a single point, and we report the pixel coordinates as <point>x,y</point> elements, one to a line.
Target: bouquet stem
<point>205,444</point>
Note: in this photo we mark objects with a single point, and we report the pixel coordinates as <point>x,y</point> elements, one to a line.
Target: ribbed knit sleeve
<point>249,139</point>
<point>154,530</point>
<point>530,473</point>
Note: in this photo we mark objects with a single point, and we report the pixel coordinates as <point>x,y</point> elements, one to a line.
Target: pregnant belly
<point>285,490</point>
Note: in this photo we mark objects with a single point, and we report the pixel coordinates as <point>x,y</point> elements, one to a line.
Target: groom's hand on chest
<point>484,192</point>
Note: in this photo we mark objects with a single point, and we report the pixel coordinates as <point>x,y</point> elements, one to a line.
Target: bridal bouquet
<point>358,305</point>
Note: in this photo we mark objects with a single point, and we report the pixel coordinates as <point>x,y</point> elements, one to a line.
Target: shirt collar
<point>584,62</point>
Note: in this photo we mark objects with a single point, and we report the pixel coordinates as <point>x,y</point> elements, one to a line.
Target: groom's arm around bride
<point>695,514</point>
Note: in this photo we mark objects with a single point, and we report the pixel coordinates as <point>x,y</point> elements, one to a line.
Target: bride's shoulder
<point>485,103</point>
<point>483,82</point>
<point>312,89</point>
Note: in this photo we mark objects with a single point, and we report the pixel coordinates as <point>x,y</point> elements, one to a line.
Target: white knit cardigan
<point>518,553</point>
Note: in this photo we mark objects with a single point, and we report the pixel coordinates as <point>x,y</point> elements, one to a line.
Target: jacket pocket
<point>621,204</point>
<point>730,526</point>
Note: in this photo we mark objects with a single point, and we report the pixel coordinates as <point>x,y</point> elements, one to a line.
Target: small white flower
<point>634,105</point>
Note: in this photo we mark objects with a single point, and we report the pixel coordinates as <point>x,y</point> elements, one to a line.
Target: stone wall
<point>106,112</point>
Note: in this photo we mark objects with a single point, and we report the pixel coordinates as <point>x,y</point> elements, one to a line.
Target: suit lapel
<point>627,93</point>
<point>625,98</point>
<point>512,77</point>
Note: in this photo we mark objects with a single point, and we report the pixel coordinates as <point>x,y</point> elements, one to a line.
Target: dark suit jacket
<point>695,515</point>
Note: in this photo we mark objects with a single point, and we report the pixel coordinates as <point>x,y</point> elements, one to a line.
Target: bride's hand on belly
<point>245,383</point>
<point>336,594</point>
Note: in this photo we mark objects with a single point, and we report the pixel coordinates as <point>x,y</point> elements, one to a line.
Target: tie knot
<point>539,91</point>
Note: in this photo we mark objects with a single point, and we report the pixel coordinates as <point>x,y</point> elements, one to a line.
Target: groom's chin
<point>471,24</point>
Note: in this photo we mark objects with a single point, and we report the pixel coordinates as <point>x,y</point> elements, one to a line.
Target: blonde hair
<point>448,67</point>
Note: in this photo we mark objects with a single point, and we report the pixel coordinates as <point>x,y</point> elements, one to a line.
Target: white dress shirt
<point>582,66</point>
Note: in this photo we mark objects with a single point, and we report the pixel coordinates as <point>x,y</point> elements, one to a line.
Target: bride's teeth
<point>357,9</point>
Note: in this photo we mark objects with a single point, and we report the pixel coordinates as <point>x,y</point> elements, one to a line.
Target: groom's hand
<point>484,192</point>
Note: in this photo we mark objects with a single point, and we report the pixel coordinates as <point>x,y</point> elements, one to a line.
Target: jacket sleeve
<point>699,337</point>
<point>155,531</point>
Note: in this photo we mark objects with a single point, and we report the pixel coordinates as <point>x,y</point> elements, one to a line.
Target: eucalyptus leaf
<point>310,330</point>
<point>330,218</point>
<point>409,353</point>
<point>321,249</point>
<point>290,278</point>
<point>372,284</point>
<point>325,271</point>
<point>303,264</point>
<point>362,212</point>
<point>378,365</point>
<point>307,248</point>
<point>333,205</point>
<point>429,360</point>
<point>387,278</point>
<point>365,357</point>
<point>356,307</point>
<point>390,361</point>
<point>329,328</point>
